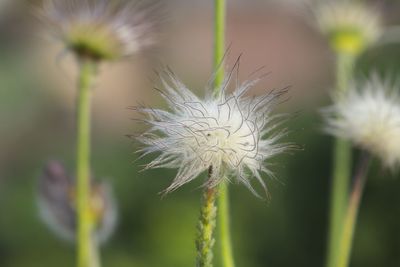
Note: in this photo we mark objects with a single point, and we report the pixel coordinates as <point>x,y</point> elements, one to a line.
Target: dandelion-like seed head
<point>369,116</point>
<point>57,201</point>
<point>228,135</point>
<point>350,25</point>
<point>100,29</point>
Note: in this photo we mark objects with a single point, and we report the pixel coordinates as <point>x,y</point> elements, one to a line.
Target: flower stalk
<point>219,42</point>
<point>223,199</point>
<point>206,226</point>
<point>85,224</point>
<point>224,226</point>
<point>350,220</point>
<point>94,254</point>
<point>339,193</point>
<point>341,165</point>
<point>351,28</point>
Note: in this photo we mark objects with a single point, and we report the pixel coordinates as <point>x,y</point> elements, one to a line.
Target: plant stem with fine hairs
<point>350,219</point>
<point>206,226</point>
<point>224,226</point>
<point>342,160</point>
<point>84,234</point>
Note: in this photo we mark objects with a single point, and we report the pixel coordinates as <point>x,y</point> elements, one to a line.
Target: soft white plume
<point>351,16</point>
<point>231,133</point>
<point>112,29</point>
<point>369,116</point>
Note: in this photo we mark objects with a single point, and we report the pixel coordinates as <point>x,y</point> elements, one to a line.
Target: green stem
<point>206,226</point>
<point>224,226</point>
<point>223,201</point>
<point>94,255</point>
<point>341,165</point>
<point>350,220</point>
<point>84,234</point>
<point>345,66</point>
<point>339,195</point>
<point>219,42</point>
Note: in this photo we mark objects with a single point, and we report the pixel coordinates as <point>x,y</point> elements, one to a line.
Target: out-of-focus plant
<point>351,27</point>
<point>57,206</point>
<point>94,31</point>
<point>368,115</point>
<point>361,113</point>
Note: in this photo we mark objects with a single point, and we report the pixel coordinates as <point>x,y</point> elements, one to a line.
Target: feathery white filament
<point>336,15</point>
<point>369,116</point>
<point>232,133</point>
<point>125,25</point>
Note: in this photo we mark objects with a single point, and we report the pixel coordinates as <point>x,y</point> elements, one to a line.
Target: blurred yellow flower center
<point>97,207</point>
<point>94,41</point>
<point>349,41</point>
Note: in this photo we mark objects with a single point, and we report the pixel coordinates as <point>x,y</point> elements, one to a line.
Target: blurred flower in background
<point>56,200</point>
<point>100,30</point>
<point>351,26</point>
<point>369,116</point>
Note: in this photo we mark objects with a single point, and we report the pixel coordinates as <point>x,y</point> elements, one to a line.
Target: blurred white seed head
<point>350,25</point>
<point>56,200</point>
<point>369,116</point>
<point>232,135</point>
<point>100,29</point>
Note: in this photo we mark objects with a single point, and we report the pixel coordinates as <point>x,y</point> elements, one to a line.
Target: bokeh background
<point>37,98</point>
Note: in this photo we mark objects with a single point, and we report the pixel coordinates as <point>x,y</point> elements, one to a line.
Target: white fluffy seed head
<point>232,134</point>
<point>351,26</point>
<point>100,29</point>
<point>369,116</point>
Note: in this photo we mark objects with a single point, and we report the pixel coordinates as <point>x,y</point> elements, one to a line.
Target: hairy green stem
<point>350,220</point>
<point>224,226</point>
<point>206,226</point>
<point>342,161</point>
<point>84,234</point>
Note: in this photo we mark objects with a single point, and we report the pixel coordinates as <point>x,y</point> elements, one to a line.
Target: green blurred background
<point>37,124</point>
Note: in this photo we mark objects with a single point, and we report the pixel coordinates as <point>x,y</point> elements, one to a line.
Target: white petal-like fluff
<point>336,15</point>
<point>116,28</point>
<point>231,134</point>
<point>369,116</point>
